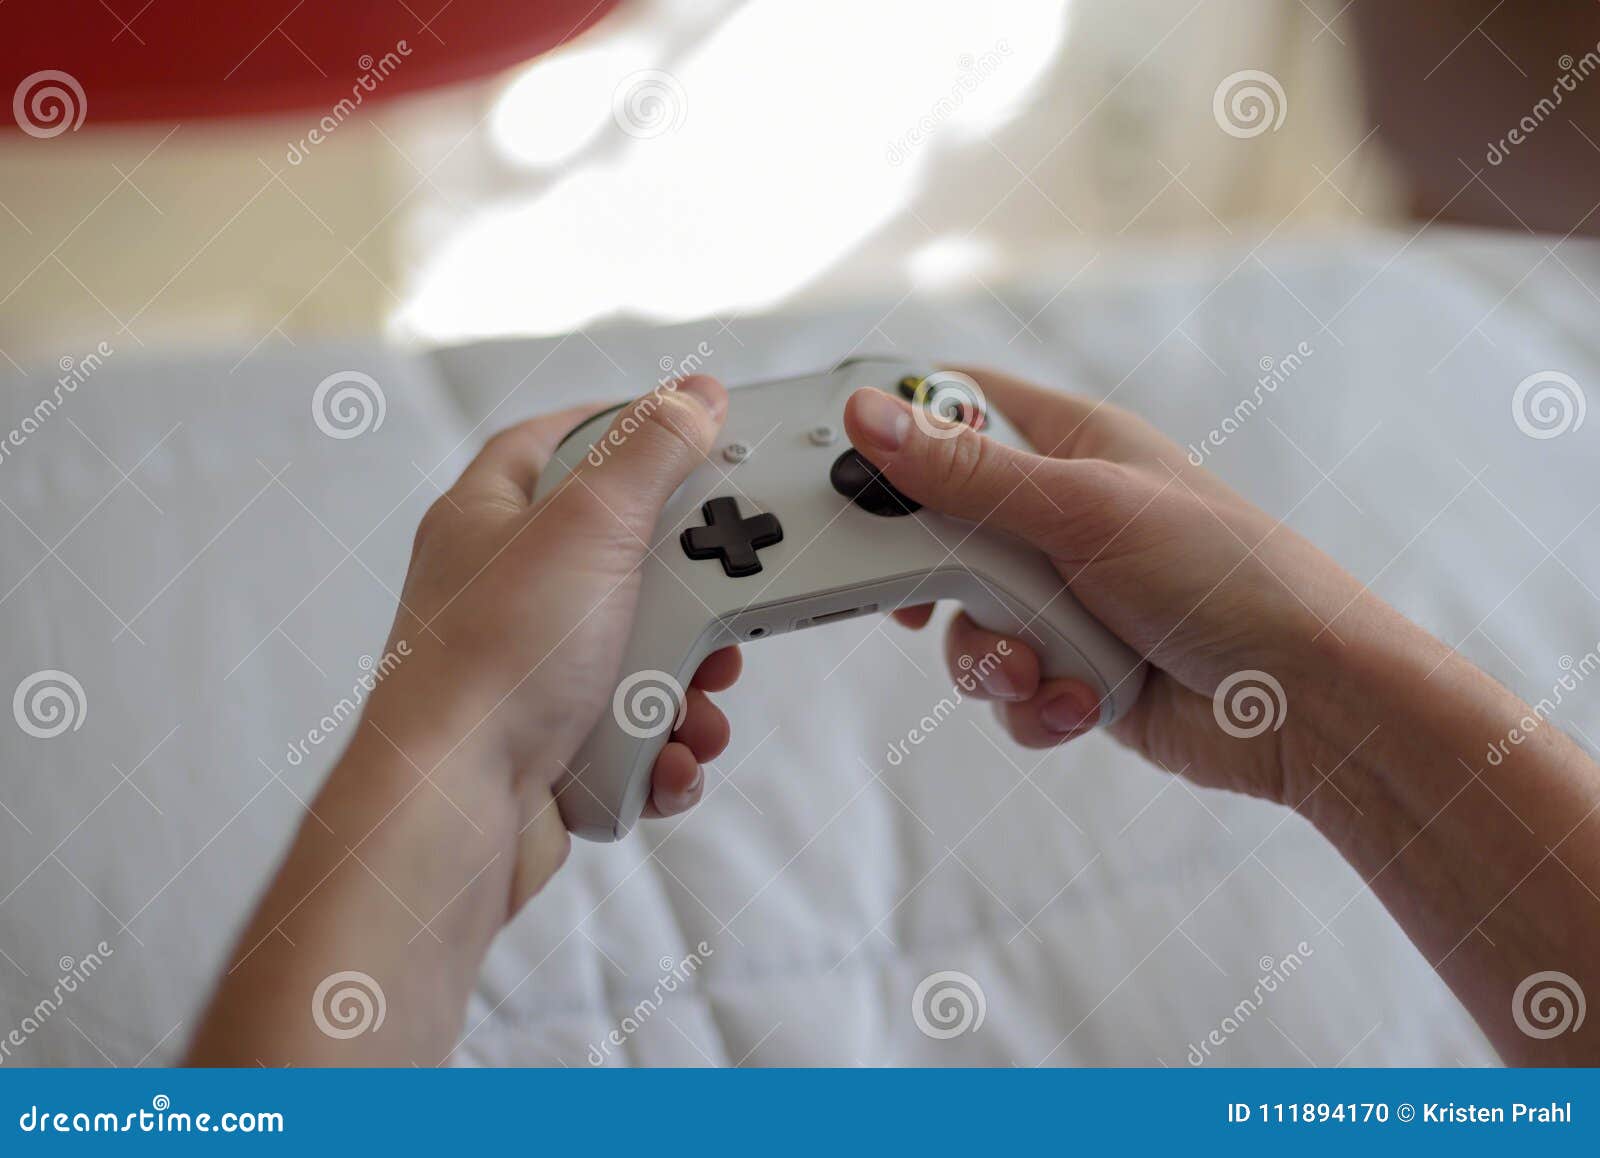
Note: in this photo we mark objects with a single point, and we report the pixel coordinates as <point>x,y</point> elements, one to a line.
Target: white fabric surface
<point>1110,914</point>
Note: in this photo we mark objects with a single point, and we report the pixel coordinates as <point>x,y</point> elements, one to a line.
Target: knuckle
<point>506,436</point>
<point>675,423</point>
<point>519,440</point>
<point>1121,503</point>
<point>1113,489</point>
<point>434,521</point>
<point>510,443</point>
<point>964,459</point>
<point>576,503</point>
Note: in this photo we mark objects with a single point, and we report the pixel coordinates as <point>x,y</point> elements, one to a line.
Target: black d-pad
<point>732,538</point>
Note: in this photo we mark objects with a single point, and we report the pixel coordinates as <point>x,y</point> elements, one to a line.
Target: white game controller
<point>785,526</point>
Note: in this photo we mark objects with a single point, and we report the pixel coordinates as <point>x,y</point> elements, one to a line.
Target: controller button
<point>736,452</point>
<point>823,435</point>
<point>732,538</point>
<point>909,387</point>
<point>859,481</point>
<point>952,396</point>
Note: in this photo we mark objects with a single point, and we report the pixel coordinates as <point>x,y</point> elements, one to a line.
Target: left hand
<point>440,819</point>
<point>516,613</point>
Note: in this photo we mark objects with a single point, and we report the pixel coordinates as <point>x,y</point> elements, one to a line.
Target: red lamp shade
<point>69,63</point>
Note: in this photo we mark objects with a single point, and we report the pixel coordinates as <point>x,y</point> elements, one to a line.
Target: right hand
<point>1395,723</point>
<point>1197,580</point>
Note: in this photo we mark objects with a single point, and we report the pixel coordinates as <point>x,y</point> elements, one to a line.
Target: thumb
<point>1060,505</point>
<point>652,445</point>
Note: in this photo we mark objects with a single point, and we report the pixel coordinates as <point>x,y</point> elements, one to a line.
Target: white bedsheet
<point>216,602</point>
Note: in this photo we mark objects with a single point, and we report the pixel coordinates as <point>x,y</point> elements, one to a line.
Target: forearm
<point>399,876</point>
<point>1491,868</point>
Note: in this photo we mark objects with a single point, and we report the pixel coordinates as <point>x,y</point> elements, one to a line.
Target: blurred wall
<point>189,235</point>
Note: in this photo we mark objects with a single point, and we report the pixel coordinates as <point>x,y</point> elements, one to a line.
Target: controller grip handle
<point>608,785</point>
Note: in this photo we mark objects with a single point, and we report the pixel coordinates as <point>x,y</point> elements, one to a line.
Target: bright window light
<point>563,100</point>
<point>730,177</point>
<point>948,261</point>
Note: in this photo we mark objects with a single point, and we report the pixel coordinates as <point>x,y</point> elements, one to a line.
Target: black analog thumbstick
<point>859,481</point>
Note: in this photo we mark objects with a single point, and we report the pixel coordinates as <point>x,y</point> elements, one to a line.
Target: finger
<point>704,730</point>
<point>1070,507</point>
<point>915,618</point>
<point>676,778</point>
<point>719,670</point>
<point>998,668</point>
<point>650,447</point>
<point>1051,420</point>
<point>510,462</point>
<point>676,782</point>
<point>1060,710</point>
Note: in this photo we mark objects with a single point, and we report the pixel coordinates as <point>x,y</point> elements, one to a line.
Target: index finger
<point>1053,421</point>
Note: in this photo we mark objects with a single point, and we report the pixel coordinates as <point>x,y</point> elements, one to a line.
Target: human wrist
<point>436,705</point>
<point>439,834</point>
<point>1390,726</point>
<point>469,688</point>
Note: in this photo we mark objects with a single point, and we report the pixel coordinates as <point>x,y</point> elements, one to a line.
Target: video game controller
<point>786,526</point>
